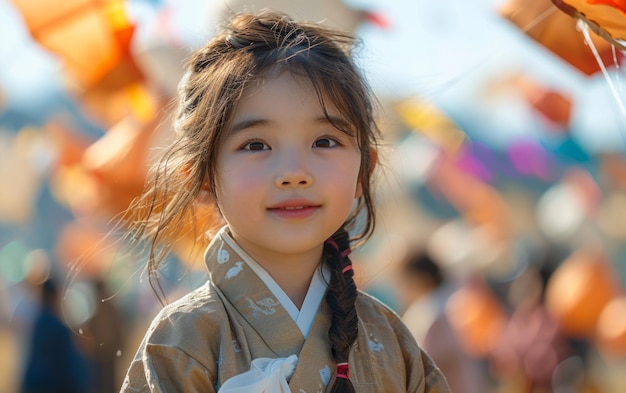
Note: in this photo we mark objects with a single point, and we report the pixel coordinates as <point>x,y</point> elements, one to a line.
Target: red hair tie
<point>347,268</point>
<point>343,253</point>
<point>333,243</point>
<point>343,370</point>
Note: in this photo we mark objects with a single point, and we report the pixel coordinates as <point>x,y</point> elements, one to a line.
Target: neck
<point>292,272</point>
<point>293,275</point>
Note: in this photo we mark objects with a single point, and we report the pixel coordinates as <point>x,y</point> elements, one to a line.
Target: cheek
<point>235,184</point>
<point>347,180</point>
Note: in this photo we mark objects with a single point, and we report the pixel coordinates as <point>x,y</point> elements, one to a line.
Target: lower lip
<point>293,214</point>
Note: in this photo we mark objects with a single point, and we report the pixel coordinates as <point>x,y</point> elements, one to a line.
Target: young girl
<point>275,131</point>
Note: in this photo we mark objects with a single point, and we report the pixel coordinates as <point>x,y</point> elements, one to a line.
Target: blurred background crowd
<point>502,184</point>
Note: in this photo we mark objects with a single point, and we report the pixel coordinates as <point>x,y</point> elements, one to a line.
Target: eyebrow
<point>337,122</point>
<point>340,124</point>
<point>247,123</point>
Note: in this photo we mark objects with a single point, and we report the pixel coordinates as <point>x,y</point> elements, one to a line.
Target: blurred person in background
<point>532,345</point>
<point>54,363</point>
<point>423,291</point>
<point>105,329</point>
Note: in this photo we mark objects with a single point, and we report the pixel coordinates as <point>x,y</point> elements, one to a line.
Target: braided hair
<point>341,297</point>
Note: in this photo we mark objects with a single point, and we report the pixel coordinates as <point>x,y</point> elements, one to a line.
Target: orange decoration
<point>607,18</point>
<point>84,249</point>
<point>579,290</point>
<point>551,104</point>
<point>611,331</point>
<point>619,4</point>
<point>557,31</point>
<point>555,106</point>
<point>91,36</point>
<point>119,162</point>
<point>477,317</point>
<point>70,145</point>
<point>194,239</point>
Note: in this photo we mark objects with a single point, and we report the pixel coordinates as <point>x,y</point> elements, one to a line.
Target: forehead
<point>278,81</point>
<point>285,95</point>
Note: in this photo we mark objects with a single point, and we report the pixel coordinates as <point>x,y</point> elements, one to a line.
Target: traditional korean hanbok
<point>241,333</point>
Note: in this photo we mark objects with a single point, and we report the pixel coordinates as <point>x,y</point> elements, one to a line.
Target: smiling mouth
<point>295,212</point>
<point>293,208</point>
<point>294,205</point>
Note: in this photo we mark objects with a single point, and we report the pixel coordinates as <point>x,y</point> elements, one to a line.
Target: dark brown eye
<point>325,142</point>
<point>256,146</point>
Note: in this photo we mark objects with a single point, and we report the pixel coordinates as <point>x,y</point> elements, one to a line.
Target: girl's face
<point>286,177</point>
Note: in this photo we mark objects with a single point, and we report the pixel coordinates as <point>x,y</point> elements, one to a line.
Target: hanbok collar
<point>315,294</point>
<point>230,270</point>
<point>249,297</point>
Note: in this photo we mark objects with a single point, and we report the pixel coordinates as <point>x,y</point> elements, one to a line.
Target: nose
<point>292,172</point>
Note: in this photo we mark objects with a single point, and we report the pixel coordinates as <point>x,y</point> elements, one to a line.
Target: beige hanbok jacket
<point>212,334</point>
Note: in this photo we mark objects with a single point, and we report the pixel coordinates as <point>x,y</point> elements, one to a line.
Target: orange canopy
<point>557,31</point>
<point>605,17</point>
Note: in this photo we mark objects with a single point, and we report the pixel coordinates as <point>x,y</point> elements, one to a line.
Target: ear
<point>373,160</point>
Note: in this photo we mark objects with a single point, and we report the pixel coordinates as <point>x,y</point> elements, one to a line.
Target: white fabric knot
<point>266,375</point>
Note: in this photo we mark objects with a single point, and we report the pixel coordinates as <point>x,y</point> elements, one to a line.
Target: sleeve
<point>162,368</point>
<point>411,367</point>
<point>434,380</point>
<point>423,375</point>
<point>179,352</point>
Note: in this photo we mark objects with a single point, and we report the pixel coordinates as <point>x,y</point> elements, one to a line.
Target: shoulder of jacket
<point>368,302</point>
<point>200,308</point>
